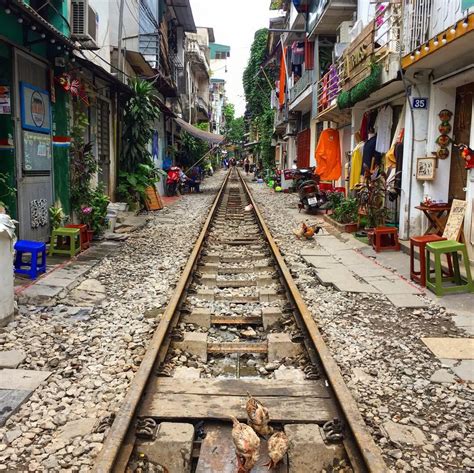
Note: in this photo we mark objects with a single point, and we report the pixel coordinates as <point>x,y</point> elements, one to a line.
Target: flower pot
<point>351,227</point>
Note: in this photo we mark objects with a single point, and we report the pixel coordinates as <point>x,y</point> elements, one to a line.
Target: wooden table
<point>436,215</point>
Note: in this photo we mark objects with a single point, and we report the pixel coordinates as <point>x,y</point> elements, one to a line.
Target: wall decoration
<point>443,140</point>
<point>38,213</point>
<point>73,86</point>
<point>5,100</point>
<point>467,154</point>
<point>35,108</point>
<point>425,169</point>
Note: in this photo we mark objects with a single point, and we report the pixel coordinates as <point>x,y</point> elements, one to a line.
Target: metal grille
<point>78,17</point>
<point>103,141</point>
<point>417,14</point>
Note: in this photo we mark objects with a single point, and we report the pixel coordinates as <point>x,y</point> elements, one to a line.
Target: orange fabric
<point>281,97</point>
<point>328,156</point>
<point>308,54</point>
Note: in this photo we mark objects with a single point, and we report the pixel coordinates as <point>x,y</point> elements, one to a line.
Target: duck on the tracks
<point>247,445</point>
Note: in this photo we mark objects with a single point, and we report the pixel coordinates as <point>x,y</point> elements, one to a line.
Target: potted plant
<point>57,218</point>
<point>371,195</point>
<point>346,214</point>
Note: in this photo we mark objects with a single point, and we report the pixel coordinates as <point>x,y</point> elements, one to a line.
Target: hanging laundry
<point>370,157</point>
<point>364,127</point>
<point>383,128</point>
<point>281,96</point>
<point>328,155</point>
<point>356,165</point>
<point>297,53</point>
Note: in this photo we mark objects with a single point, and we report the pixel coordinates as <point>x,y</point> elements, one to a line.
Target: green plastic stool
<point>448,247</point>
<point>73,240</point>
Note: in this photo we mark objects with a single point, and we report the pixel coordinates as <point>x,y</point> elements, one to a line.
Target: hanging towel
<point>281,96</point>
<point>383,128</point>
<point>328,155</point>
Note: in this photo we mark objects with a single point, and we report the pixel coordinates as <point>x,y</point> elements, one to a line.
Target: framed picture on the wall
<point>35,108</point>
<point>425,169</point>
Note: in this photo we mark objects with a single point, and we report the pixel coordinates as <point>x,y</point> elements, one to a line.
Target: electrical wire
<point>107,62</point>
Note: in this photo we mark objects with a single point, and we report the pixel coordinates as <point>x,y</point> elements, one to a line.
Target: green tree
<point>257,88</point>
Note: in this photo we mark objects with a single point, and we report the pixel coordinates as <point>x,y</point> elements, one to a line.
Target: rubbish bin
<point>7,241</point>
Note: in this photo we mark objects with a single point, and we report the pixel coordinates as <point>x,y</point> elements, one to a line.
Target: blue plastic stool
<point>35,248</point>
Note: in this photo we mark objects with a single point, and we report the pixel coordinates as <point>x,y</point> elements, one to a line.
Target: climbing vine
<point>258,89</point>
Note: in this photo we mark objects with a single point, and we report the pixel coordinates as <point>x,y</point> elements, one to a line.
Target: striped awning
<point>211,138</point>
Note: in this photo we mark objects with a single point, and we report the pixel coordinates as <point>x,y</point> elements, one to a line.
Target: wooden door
<point>303,148</point>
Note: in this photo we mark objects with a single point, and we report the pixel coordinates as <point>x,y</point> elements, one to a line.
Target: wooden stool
<point>73,241</point>
<point>33,267</point>
<point>385,239</point>
<point>83,234</point>
<point>420,242</point>
<point>448,247</point>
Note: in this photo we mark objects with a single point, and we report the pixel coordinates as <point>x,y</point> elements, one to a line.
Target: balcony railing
<point>303,83</point>
<point>329,87</point>
<point>281,117</point>
<point>194,49</point>
<point>417,15</point>
<point>387,26</point>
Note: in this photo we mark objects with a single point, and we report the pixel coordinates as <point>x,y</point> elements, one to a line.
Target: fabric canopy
<point>211,138</point>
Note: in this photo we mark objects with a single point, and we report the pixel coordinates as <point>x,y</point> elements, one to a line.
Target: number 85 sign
<point>420,103</point>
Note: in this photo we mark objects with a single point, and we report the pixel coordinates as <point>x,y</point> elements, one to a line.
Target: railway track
<point>236,308</point>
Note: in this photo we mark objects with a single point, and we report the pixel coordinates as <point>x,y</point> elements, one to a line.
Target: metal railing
<point>329,86</point>
<point>387,26</point>
<point>193,48</point>
<point>303,83</point>
<point>416,23</point>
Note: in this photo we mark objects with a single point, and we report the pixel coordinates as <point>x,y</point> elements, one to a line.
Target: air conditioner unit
<point>84,22</point>
<point>291,128</point>
<point>344,32</point>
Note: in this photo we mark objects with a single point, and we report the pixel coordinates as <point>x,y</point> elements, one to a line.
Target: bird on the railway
<point>258,416</point>
<point>277,448</point>
<point>247,445</point>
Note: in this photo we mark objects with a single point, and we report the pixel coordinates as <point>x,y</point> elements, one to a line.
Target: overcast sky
<point>234,23</point>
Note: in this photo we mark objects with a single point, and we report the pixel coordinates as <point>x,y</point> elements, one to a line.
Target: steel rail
<point>109,454</point>
<point>369,452</point>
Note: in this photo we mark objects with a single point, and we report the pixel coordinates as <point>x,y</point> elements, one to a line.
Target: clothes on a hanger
<point>383,128</point>
<point>328,155</point>
<point>370,157</point>
<point>356,165</point>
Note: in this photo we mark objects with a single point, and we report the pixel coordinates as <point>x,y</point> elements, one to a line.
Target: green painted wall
<point>7,156</point>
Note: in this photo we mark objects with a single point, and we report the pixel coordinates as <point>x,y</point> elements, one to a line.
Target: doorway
<point>33,147</point>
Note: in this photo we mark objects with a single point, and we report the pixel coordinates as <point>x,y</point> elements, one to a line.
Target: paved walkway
<point>352,266</point>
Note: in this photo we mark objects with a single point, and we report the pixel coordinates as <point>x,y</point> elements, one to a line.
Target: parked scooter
<point>307,185</point>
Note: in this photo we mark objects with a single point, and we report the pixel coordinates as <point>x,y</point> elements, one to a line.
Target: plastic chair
<point>420,242</point>
<point>84,237</point>
<point>450,248</point>
<point>35,248</point>
<point>69,237</point>
<point>385,239</point>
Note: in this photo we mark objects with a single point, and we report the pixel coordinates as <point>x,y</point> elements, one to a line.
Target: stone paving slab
<point>336,273</point>
<point>332,244</point>
<point>26,380</point>
<point>323,262</point>
<point>396,285</point>
<point>314,252</point>
<point>351,257</point>
<point>10,402</point>
<point>11,358</point>
<point>41,291</point>
<point>351,284</point>
<point>406,300</point>
<point>465,322</point>
<point>451,348</point>
<point>57,280</point>
<point>465,370</point>
<point>369,269</point>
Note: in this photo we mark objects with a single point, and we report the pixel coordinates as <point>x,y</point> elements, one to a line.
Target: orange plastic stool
<point>385,239</point>
<point>83,234</point>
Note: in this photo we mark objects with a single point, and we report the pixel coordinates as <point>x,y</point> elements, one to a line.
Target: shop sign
<point>35,108</point>
<point>357,58</point>
<point>420,103</point>
<point>5,100</point>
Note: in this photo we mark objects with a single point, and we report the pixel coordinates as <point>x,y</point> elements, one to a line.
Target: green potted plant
<point>346,214</point>
<point>57,218</point>
<point>371,195</point>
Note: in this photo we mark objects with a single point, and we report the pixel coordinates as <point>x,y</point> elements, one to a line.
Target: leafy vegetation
<point>192,149</point>
<point>57,218</point>
<point>346,211</point>
<point>140,114</point>
<point>9,191</point>
<point>371,197</point>
<point>132,186</point>
<point>83,163</point>
<point>258,89</point>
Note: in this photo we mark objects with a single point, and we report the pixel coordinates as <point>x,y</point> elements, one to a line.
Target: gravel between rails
<point>380,354</point>
<point>93,352</point>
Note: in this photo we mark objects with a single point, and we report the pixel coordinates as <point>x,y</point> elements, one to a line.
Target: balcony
<point>202,108</point>
<point>280,119</point>
<point>196,55</point>
<point>300,94</point>
<point>324,16</point>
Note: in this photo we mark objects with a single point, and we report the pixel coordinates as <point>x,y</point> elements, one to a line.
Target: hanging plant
<point>362,90</point>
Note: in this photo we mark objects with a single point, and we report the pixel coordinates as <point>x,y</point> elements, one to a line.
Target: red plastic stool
<point>83,234</point>
<point>420,242</point>
<point>385,239</point>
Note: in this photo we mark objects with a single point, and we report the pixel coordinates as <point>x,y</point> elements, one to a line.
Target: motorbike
<point>307,186</point>
<point>172,181</point>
